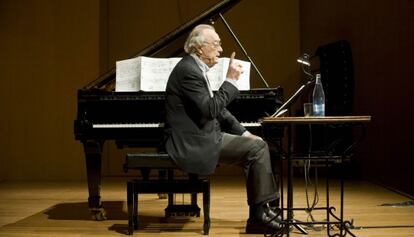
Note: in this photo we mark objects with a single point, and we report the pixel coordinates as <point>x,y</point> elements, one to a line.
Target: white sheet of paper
<point>128,74</point>
<point>217,74</point>
<point>151,74</point>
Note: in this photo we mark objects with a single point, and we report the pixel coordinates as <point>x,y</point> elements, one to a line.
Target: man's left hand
<point>235,68</point>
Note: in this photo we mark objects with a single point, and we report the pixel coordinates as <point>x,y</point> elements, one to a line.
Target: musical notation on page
<point>151,74</point>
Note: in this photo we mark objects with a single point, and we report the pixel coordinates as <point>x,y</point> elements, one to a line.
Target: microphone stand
<point>292,99</point>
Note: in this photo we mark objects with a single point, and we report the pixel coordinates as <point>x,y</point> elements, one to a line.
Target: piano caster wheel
<point>98,214</point>
<point>162,196</point>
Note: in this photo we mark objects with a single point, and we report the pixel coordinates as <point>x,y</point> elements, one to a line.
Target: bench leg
<point>130,204</point>
<point>135,210</point>
<point>162,175</point>
<point>194,203</point>
<point>206,207</point>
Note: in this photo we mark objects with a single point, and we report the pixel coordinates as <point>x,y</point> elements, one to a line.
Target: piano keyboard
<point>153,125</point>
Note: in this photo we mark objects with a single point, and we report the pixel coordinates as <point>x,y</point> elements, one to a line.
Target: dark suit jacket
<point>194,120</point>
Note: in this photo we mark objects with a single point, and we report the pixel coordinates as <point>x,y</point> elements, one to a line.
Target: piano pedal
<point>182,211</point>
<point>183,214</point>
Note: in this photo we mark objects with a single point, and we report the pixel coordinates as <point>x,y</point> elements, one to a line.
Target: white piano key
<point>152,125</point>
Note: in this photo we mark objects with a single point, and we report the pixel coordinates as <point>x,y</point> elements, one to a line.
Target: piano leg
<point>93,156</point>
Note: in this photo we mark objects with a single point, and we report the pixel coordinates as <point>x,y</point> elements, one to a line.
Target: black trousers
<point>253,156</point>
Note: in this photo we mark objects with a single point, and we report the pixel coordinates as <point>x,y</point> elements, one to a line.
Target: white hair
<point>196,38</point>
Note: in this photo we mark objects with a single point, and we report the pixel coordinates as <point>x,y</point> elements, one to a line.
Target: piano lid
<point>107,80</point>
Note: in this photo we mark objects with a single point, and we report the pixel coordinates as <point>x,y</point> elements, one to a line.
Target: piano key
<point>251,124</point>
<point>128,125</point>
<point>153,125</point>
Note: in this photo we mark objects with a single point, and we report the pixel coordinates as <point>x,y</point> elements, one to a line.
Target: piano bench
<point>161,161</point>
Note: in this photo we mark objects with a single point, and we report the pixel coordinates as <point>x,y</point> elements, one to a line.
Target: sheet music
<point>217,74</point>
<point>127,75</point>
<point>151,74</point>
<point>155,73</point>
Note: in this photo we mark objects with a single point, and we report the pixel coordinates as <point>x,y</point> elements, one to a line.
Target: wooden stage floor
<point>60,209</point>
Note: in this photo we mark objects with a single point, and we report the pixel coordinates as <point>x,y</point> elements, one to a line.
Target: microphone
<point>304,59</point>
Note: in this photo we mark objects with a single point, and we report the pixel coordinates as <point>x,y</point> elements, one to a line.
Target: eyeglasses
<point>215,44</point>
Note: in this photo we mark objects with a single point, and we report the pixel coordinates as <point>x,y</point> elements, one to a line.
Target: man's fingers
<point>232,57</point>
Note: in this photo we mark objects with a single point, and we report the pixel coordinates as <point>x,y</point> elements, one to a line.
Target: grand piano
<point>135,119</point>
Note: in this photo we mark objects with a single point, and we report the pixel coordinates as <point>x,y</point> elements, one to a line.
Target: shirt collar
<point>204,68</point>
<point>200,63</point>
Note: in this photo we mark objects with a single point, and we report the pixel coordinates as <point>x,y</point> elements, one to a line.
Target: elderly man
<point>201,132</point>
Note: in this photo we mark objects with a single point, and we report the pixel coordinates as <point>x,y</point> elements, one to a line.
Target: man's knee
<point>259,149</point>
<point>262,145</point>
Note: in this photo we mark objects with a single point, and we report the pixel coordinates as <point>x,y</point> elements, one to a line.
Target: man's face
<point>210,51</point>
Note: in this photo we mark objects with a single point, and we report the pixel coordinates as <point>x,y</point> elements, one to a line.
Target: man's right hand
<point>235,68</point>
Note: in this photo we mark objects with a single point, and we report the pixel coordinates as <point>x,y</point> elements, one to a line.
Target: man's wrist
<point>233,82</point>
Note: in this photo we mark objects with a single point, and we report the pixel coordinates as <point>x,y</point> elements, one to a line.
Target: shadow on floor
<point>80,211</point>
<point>77,215</point>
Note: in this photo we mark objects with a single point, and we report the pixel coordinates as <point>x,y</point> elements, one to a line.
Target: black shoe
<point>263,220</point>
<point>261,227</point>
<point>275,214</point>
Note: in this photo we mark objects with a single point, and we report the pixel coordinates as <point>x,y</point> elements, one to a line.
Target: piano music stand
<point>329,120</point>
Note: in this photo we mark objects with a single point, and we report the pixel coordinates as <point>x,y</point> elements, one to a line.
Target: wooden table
<point>288,122</point>
<point>316,120</point>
